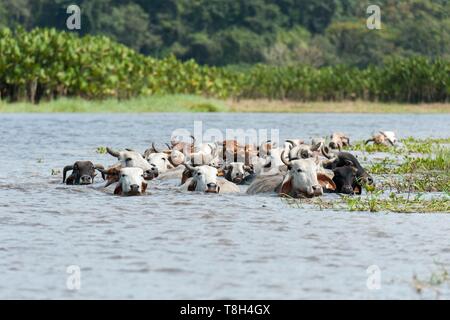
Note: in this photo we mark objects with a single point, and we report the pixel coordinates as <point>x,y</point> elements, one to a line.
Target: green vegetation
<point>45,64</point>
<point>370,147</point>
<point>429,182</point>
<point>439,161</point>
<point>436,162</point>
<point>277,32</point>
<point>408,146</point>
<point>374,202</point>
<point>423,146</point>
<point>166,103</point>
<point>101,150</point>
<point>429,172</point>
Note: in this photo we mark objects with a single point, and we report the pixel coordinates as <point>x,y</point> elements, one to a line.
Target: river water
<point>172,245</point>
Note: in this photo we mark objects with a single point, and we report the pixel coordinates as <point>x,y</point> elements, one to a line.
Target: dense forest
<point>243,32</point>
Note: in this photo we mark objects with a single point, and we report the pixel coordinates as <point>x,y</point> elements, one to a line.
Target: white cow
<point>204,179</point>
<point>131,182</point>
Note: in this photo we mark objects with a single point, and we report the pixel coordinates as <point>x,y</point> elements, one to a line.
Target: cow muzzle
<point>238,178</point>
<point>317,191</point>
<point>212,188</point>
<point>347,190</point>
<point>134,190</point>
<point>86,180</point>
<point>151,174</point>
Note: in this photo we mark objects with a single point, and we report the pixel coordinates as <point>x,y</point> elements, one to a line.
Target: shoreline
<point>192,104</point>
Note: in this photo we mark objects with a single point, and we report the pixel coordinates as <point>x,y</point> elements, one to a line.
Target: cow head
<point>160,161</point>
<point>354,175</point>
<point>338,140</point>
<point>304,179</point>
<point>131,182</point>
<point>132,159</point>
<point>83,172</point>
<point>387,138</point>
<point>113,174</point>
<point>236,172</point>
<point>204,179</point>
<point>184,147</point>
<point>176,158</point>
<point>346,180</point>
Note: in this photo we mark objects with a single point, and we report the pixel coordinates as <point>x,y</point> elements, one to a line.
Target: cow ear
<point>118,190</point>
<point>186,175</point>
<point>192,186</point>
<point>144,187</point>
<point>286,187</point>
<point>112,176</point>
<point>70,180</point>
<point>325,181</point>
<point>220,172</point>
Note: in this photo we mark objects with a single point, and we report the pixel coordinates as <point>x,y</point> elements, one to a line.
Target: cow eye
<point>299,170</point>
<point>348,163</point>
<point>199,173</point>
<point>164,159</point>
<point>123,176</point>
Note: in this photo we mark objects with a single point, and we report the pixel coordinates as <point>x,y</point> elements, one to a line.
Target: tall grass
<point>156,103</point>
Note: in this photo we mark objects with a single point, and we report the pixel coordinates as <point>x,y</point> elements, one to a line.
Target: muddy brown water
<point>170,244</point>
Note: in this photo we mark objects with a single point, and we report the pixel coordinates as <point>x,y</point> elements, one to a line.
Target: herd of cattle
<point>296,168</point>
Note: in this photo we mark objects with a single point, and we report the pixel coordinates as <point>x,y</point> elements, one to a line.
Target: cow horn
<point>291,142</point>
<point>329,161</point>
<point>66,168</point>
<point>325,151</point>
<point>316,146</point>
<point>113,152</point>
<point>108,183</point>
<point>100,168</point>
<point>153,147</point>
<point>188,166</point>
<point>288,163</point>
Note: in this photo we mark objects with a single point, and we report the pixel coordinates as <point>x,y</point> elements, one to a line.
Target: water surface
<point>172,245</point>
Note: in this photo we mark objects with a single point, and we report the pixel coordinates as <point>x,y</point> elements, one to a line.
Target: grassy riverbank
<point>191,103</point>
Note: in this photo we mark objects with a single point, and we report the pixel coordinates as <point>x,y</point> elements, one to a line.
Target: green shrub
<point>47,64</point>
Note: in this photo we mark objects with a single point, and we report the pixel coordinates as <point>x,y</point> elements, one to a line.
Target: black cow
<point>83,172</point>
<point>349,175</point>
